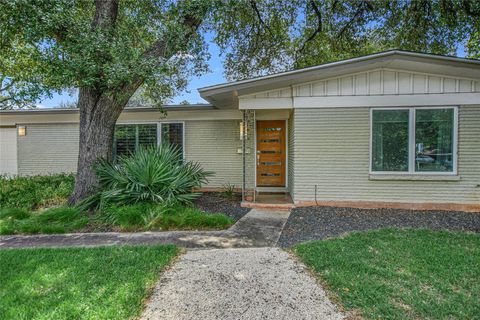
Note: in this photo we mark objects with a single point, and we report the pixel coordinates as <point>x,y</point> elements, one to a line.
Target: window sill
<point>414,177</point>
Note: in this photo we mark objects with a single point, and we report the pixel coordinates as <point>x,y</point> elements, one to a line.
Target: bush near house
<point>35,192</point>
<point>151,189</point>
<point>150,175</point>
<point>400,274</point>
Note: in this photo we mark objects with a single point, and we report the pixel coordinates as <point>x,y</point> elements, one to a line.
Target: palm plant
<point>150,175</point>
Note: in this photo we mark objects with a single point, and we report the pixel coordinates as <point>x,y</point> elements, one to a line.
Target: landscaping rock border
<point>316,223</point>
<point>215,202</point>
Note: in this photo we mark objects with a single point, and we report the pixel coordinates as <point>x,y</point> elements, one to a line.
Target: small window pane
<point>124,140</point>
<point>434,140</point>
<point>172,133</point>
<point>129,137</point>
<point>147,135</point>
<point>390,140</point>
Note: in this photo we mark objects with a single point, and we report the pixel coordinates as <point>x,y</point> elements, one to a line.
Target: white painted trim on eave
<point>388,100</point>
<point>265,103</point>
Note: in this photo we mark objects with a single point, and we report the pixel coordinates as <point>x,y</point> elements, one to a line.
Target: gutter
<point>53,111</point>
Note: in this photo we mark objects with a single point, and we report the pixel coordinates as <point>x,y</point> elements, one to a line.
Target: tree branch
<point>360,9</point>
<point>317,12</point>
<point>159,48</point>
<point>8,86</point>
<point>253,4</point>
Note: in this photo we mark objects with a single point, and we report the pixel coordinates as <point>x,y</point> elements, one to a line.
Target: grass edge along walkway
<point>400,273</point>
<point>79,283</point>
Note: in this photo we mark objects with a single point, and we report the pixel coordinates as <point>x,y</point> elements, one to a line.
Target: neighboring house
<point>396,129</point>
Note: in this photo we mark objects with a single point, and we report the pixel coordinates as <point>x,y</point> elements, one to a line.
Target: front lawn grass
<point>401,274</point>
<point>79,283</point>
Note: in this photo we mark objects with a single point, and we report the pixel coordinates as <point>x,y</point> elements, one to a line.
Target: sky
<point>215,76</point>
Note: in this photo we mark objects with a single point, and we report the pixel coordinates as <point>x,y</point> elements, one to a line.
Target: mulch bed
<point>214,202</point>
<point>316,223</point>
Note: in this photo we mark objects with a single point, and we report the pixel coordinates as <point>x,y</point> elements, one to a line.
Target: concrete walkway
<point>249,278</point>
<point>258,228</point>
<point>249,283</point>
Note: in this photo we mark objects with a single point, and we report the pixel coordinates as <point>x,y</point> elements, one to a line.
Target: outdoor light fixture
<point>243,130</point>
<point>22,131</point>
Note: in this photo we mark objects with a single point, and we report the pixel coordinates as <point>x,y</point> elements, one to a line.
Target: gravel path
<point>313,223</point>
<point>253,283</point>
<point>214,202</point>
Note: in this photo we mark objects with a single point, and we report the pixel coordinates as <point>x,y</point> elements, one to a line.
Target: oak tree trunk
<point>98,116</point>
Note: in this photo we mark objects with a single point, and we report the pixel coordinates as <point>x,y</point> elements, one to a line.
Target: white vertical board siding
<point>214,144</point>
<point>386,82</point>
<point>291,155</point>
<point>48,148</point>
<point>331,150</point>
<point>8,151</point>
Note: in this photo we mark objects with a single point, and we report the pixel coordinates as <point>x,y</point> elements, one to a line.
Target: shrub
<point>35,191</point>
<point>152,175</point>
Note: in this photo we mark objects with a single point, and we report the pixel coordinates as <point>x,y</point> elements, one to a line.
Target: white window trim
<point>411,144</point>
<point>159,130</point>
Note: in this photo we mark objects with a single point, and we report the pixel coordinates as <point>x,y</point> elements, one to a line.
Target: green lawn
<point>79,283</point>
<point>400,274</point>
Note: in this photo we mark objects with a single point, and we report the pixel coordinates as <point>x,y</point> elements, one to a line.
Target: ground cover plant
<point>79,283</point>
<point>152,189</point>
<point>35,191</point>
<point>400,273</point>
<point>139,217</point>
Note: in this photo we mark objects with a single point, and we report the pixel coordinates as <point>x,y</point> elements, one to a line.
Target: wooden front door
<point>271,153</point>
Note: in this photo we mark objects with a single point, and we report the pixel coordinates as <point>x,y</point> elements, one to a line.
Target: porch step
<point>257,205</point>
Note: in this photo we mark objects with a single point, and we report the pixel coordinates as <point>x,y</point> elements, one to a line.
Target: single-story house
<point>394,129</point>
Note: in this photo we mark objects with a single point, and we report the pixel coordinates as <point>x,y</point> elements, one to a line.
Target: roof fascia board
<point>192,107</point>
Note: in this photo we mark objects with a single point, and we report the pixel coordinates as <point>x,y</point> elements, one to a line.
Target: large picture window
<point>413,140</point>
<point>130,137</point>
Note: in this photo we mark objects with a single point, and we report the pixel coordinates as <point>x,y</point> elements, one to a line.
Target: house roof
<point>225,94</point>
<point>176,107</point>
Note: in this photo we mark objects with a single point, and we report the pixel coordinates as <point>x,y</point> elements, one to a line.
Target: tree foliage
<point>63,49</point>
<point>108,49</point>
<point>260,37</point>
<point>50,45</point>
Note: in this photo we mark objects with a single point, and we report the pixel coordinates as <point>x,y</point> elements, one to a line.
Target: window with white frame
<point>414,140</point>
<point>130,137</point>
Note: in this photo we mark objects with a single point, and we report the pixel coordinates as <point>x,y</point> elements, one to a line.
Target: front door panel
<point>271,149</point>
